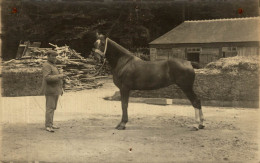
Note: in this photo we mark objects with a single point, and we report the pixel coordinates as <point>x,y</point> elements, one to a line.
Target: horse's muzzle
<point>99,52</point>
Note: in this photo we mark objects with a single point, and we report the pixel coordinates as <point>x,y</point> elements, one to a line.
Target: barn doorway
<point>193,57</point>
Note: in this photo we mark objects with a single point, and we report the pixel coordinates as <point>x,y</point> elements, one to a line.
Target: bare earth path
<point>154,133</point>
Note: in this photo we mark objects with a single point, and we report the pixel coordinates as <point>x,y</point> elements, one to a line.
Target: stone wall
<point>227,86</point>
<point>24,77</point>
<point>22,82</point>
<point>214,85</point>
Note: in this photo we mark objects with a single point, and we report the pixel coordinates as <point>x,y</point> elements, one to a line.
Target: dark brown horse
<point>131,73</point>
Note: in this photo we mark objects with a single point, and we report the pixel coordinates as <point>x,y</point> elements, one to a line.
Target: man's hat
<point>52,52</point>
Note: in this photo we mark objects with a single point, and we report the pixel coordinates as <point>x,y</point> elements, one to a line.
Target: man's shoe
<point>55,127</point>
<point>49,129</point>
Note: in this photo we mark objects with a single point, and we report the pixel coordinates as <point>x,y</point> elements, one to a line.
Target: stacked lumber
<point>36,52</point>
<point>66,52</point>
<point>81,73</point>
<point>28,50</point>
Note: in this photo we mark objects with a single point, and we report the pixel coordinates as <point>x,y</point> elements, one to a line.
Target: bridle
<point>103,54</point>
<point>107,34</point>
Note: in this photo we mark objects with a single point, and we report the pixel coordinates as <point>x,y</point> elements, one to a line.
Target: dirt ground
<point>154,133</point>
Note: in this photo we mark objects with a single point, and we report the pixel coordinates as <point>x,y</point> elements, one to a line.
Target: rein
<point>102,54</point>
<point>105,48</point>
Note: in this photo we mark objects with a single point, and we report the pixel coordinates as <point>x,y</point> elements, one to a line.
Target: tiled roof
<point>210,31</point>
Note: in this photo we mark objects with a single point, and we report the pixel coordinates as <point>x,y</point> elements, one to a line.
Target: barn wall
<point>153,54</point>
<point>208,55</point>
<point>163,53</point>
<point>178,53</point>
<point>166,53</point>
<point>247,51</point>
<point>209,52</point>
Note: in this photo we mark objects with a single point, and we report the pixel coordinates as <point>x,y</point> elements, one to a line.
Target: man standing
<point>51,88</point>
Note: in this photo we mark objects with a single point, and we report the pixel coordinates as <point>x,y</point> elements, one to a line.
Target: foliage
<point>131,24</point>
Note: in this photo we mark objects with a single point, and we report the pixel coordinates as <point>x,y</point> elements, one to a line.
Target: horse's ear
<point>100,36</point>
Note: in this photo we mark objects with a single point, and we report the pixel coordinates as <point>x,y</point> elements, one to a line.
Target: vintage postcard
<point>129,81</point>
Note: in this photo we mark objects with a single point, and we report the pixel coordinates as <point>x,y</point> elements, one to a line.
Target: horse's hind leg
<point>197,106</point>
<point>124,102</point>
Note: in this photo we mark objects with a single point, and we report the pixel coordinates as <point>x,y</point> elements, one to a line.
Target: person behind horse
<point>51,88</point>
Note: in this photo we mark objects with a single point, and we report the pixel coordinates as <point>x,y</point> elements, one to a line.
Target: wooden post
<point>220,53</point>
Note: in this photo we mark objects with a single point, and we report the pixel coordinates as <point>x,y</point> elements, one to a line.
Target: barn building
<point>204,41</point>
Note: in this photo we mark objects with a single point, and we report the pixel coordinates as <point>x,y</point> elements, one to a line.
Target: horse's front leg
<point>124,102</point>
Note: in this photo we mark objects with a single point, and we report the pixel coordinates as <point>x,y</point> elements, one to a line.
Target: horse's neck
<point>117,46</point>
<point>116,54</point>
<point>125,60</point>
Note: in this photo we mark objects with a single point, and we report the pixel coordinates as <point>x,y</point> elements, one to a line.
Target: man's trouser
<point>51,104</point>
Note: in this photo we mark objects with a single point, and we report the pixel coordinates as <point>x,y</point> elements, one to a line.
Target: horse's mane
<point>117,55</point>
<point>120,48</point>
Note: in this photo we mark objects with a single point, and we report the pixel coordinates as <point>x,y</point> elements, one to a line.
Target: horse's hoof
<point>201,126</point>
<point>194,128</point>
<point>120,127</point>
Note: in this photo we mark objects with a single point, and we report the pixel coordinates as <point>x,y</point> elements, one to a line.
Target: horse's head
<point>113,52</point>
<point>100,46</point>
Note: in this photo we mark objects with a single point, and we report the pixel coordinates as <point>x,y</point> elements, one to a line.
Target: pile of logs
<point>66,52</point>
<point>36,52</point>
<point>82,73</point>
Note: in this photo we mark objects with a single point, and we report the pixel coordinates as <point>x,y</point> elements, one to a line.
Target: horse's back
<point>175,61</point>
<point>180,62</point>
<point>181,71</point>
<point>173,64</point>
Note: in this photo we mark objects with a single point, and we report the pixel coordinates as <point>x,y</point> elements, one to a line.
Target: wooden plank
<point>158,101</point>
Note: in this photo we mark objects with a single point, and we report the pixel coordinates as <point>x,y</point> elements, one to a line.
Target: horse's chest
<point>116,80</point>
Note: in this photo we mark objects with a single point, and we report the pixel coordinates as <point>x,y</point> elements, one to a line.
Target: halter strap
<point>99,51</point>
<point>105,47</point>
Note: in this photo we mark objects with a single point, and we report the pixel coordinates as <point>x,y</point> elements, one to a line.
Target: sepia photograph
<point>129,81</point>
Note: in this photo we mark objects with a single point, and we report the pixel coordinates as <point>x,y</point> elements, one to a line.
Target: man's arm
<point>48,76</point>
